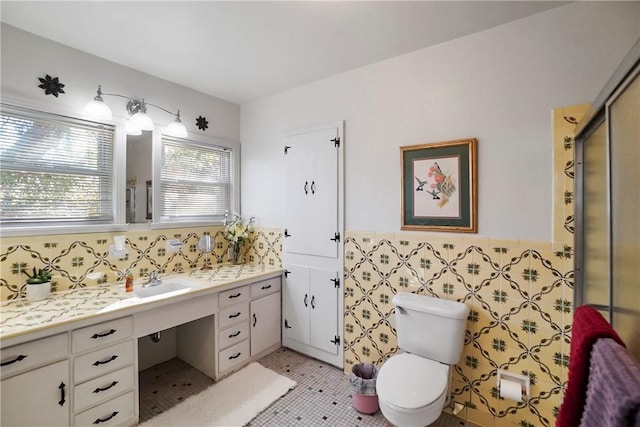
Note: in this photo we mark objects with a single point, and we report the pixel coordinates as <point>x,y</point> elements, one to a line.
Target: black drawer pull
<point>235,335</point>
<point>232,316</point>
<point>235,295</point>
<point>62,399</point>
<point>98,362</point>
<point>104,334</point>
<point>255,320</point>
<point>235,356</point>
<point>266,287</point>
<point>104,420</point>
<point>98,390</point>
<point>17,359</point>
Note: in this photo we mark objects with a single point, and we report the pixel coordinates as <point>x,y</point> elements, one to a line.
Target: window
<point>195,180</point>
<point>54,170</point>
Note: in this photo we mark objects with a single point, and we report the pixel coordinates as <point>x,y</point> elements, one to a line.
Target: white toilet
<point>413,386</point>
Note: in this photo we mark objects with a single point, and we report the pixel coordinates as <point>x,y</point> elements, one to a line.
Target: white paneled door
<point>310,306</point>
<point>312,246</point>
<point>311,173</point>
<point>323,306</point>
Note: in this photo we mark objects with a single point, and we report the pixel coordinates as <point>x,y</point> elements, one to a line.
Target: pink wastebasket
<point>363,388</point>
<point>364,403</point>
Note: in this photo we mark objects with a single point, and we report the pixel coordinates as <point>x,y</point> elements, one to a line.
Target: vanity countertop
<point>21,317</point>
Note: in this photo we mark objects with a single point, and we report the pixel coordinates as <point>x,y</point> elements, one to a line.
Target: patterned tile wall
<point>564,122</point>
<point>74,257</point>
<point>520,294</point>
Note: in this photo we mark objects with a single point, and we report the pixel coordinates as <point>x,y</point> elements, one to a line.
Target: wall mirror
<point>139,175</point>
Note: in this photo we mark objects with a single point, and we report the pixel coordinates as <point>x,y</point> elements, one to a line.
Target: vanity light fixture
<point>97,109</point>
<point>132,130</point>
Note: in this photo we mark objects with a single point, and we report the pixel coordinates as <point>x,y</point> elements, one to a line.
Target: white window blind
<point>195,180</point>
<point>54,169</point>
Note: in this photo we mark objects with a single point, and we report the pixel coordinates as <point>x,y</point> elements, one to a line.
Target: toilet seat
<point>410,382</point>
<point>412,390</point>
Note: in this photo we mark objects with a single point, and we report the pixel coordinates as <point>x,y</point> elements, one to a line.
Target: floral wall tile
<point>76,258</point>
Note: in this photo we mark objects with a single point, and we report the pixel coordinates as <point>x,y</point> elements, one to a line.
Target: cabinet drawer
<point>102,361</point>
<point>102,334</point>
<point>233,335</point>
<point>233,356</point>
<point>265,287</point>
<point>111,413</point>
<point>33,354</point>
<point>233,296</point>
<point>234,314</point>
<point>102,388</point>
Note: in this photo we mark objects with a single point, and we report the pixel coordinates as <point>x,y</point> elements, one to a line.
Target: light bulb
<point>97,109</point>
<point>131,129</point>
<point>177,129</point>
<point>142,121</point>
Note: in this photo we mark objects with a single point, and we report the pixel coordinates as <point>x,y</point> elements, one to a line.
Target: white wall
<point>25,57</point>
<point>499,86</point>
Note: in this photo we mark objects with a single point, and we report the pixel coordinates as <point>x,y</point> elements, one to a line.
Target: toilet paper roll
<point>511,390</point>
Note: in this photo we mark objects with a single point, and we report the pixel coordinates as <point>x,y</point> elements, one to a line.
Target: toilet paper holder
<point>523,380</point>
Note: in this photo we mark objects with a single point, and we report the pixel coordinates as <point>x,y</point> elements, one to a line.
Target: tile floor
<point>321,397</point>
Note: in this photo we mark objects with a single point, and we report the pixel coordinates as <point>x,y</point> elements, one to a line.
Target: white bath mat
<point>234,401</point>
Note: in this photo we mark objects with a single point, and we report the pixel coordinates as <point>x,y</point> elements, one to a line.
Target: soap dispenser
<point>128,286</point>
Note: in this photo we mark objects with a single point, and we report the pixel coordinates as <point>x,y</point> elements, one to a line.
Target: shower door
<point>608,209</point>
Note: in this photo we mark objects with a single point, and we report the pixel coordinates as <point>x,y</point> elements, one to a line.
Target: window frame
<point>232,146</point>
<point>28,228</point>
<point>119,176</point>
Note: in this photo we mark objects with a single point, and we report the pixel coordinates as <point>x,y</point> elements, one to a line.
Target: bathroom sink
<point>172,285</point>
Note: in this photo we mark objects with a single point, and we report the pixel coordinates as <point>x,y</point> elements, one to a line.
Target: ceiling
<point>238,50</point>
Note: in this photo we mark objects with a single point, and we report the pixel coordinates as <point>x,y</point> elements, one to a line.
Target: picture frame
<point>439,186</point>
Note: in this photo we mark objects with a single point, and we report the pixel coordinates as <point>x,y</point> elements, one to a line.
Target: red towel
<point>588,326</point>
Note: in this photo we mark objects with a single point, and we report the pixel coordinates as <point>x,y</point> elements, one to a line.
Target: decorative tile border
<point>564,123</point>
<point>81,260</point>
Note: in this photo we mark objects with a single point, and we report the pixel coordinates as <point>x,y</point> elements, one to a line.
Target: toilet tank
<point>430,327</point>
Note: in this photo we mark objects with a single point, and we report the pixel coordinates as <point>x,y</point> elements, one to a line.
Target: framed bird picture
<point>439,187</point>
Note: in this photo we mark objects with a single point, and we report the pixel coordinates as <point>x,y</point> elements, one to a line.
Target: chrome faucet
<point>153,279</point>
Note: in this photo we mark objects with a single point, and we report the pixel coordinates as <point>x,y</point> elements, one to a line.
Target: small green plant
<point>42,275</point>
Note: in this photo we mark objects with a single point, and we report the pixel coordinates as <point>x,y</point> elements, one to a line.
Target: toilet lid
<point>410,382</point>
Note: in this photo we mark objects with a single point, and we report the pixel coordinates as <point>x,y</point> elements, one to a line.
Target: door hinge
<point>336,237</point>
<point>286,273</point>
<point>286,149</point>
<point>336,141</point>
<point>286,324</point>
<point>286,233</point>
<point>336,282</point>
<point>336,340</point>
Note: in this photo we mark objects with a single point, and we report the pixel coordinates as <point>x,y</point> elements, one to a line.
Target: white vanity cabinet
<point>265,316</point>
<point>248,324</point>
<point>35,383</point>
<point>83,370</point>
<point>104,373</point>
